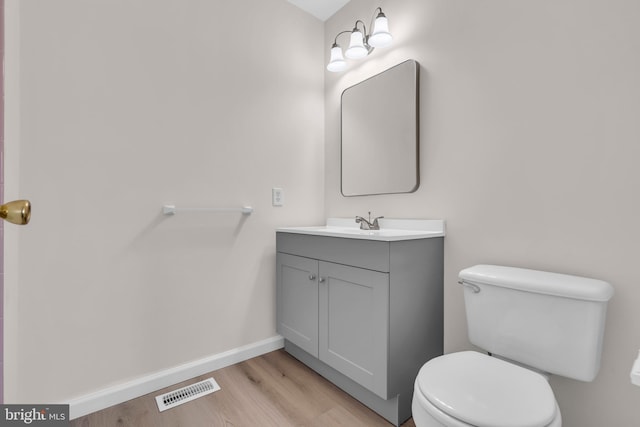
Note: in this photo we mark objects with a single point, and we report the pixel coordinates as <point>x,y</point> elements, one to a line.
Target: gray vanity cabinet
<point>365,314</point>
<point>338,314</point>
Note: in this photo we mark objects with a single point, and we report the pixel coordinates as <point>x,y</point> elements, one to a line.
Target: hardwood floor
<point>274,389</point>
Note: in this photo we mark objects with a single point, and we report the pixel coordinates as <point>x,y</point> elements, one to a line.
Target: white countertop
<point>390,229</point>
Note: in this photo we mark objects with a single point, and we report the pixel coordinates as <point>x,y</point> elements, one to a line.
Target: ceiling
<point>321,9</point>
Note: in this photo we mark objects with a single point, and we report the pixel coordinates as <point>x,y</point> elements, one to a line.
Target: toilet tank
<point>551,322</point>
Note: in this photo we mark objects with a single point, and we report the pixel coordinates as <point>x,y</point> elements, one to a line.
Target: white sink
<point>390,229</point>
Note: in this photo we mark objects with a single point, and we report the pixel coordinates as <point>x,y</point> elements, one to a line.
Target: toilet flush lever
<point>475,288</point>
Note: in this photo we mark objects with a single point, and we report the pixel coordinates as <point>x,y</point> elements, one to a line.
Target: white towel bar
<point>172,210</point>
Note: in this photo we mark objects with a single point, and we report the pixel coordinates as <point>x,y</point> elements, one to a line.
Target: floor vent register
<point>186,394</point>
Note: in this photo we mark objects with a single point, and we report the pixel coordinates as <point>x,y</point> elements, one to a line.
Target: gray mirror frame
<point>416,79</point>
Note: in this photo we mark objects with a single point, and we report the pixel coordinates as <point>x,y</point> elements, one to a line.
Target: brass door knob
<point>16,212</point>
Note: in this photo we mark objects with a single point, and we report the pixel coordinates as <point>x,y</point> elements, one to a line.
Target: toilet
<point>532,324</point>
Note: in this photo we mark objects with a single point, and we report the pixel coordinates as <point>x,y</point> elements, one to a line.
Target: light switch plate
<point>277,196</point>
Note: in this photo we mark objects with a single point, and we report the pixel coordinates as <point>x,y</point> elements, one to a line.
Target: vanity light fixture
<point>361,44</point>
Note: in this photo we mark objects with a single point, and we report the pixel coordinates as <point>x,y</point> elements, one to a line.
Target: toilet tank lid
<point>541,282</point>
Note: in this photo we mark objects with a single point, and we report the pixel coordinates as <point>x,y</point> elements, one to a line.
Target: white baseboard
<point>130,390</point>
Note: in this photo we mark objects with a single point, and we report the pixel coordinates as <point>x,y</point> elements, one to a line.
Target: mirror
<point>380,133</point>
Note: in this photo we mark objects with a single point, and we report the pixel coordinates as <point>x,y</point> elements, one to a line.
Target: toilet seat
<point>479,390</point>
<point>425,414</point>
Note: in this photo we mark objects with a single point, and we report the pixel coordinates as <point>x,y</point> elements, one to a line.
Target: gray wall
<point>530,141</point>
<point>114,108</point>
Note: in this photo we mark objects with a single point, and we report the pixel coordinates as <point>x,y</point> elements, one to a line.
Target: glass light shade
<point>380,37</point>
<point>356,48</point>
<point>336,62</point>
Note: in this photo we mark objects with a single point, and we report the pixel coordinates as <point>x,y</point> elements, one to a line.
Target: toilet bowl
<point>472,389</point>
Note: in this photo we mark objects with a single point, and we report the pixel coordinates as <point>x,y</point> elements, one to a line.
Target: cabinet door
<point>297,301</point>
<point>354,323</point>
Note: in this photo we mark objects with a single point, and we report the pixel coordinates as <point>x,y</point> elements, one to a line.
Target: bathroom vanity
<point>363,308</point>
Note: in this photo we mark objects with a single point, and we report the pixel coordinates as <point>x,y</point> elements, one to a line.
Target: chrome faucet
<point>367,224</point>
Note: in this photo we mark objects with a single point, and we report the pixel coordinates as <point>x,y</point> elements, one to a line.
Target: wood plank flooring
<point>274,389</point>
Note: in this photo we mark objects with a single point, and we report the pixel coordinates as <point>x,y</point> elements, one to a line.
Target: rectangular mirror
<point>380,133</point>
